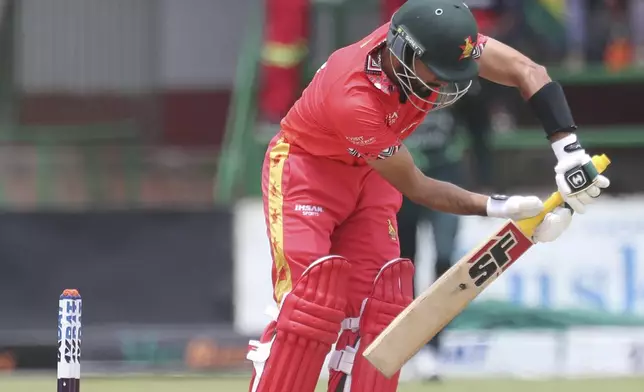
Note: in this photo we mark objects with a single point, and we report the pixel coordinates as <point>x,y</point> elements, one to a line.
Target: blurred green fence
<point>80,112</point>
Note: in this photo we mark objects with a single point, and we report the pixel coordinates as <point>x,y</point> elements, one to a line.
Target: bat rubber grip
<point>528,225</point>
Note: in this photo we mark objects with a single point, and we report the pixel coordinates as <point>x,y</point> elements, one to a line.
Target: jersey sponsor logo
<point>309,210</point>
<point>360,140</point>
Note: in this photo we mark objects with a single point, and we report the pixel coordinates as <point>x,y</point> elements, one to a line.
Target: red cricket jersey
<point>351,110</point>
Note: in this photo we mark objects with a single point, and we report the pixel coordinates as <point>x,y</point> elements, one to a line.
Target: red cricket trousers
<point>315,206</point>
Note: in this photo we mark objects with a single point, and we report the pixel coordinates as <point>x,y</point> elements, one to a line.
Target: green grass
<point>211,384</point>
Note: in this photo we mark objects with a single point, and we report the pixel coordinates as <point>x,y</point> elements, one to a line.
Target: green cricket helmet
<point>442,35</point>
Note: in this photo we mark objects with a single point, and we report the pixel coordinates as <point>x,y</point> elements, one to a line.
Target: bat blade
<point>453,291</point>
<point>445,299</point>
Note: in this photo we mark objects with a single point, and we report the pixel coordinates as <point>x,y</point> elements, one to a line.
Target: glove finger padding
<point>594,191</point>
<point>585,198</point>
<point>528,206</point>
<point>515,207</point>
<point>602,181</point>
<point>579,201</point>
<point>553,225</point>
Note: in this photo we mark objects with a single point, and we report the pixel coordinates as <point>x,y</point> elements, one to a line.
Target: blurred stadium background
<point>131,136</point>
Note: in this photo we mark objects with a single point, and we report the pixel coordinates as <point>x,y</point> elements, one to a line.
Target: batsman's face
<point>423,80</point>
<point>423,73</point>
<point>415,78</point>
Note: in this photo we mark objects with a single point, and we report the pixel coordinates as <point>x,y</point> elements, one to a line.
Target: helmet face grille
<point>414,87</point>
<point>443,34</point>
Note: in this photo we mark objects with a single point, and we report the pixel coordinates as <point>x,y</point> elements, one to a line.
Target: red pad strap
<point>291,355</point>
<point>391,293</point>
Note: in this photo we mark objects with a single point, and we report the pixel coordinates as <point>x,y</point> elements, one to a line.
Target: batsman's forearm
<point>445,197</point>
<point>530,77</point>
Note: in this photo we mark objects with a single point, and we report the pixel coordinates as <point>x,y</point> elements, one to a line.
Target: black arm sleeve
<point>550,106</point>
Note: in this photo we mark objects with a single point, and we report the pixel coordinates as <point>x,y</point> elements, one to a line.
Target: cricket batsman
<point>334,174</point>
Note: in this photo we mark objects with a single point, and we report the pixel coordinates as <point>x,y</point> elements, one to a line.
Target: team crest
<point>390,119</point>
<point>392,230</point>
<point>467,49</point>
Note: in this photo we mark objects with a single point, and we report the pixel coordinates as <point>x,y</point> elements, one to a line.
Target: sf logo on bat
<point>493,260</point>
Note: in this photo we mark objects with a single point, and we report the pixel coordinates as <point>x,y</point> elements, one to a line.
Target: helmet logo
<point>418,48</point>
<point>468,48</point>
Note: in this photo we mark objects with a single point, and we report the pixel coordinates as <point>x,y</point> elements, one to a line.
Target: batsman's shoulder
<point>359,113</point>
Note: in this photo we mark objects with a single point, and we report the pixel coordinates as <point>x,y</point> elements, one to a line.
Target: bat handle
<point>528,225</point>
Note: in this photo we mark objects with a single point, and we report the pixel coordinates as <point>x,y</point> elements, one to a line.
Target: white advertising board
<point>604,351</point>
<point>597,264</point>
<point>253,291</point>
<point>499,354</point>
<point>578,352</point>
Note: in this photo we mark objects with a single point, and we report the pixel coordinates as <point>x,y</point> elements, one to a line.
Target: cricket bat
<point>453,291</point>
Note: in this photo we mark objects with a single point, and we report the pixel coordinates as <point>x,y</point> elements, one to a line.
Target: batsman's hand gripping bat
<point>452,292</point>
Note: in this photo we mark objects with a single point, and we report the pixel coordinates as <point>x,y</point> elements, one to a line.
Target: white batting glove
<point>514,207</point>
<point>553,225</point>
<point>576,176</point>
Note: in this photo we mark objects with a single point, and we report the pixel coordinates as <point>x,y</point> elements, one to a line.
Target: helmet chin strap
<point>402,96</point>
